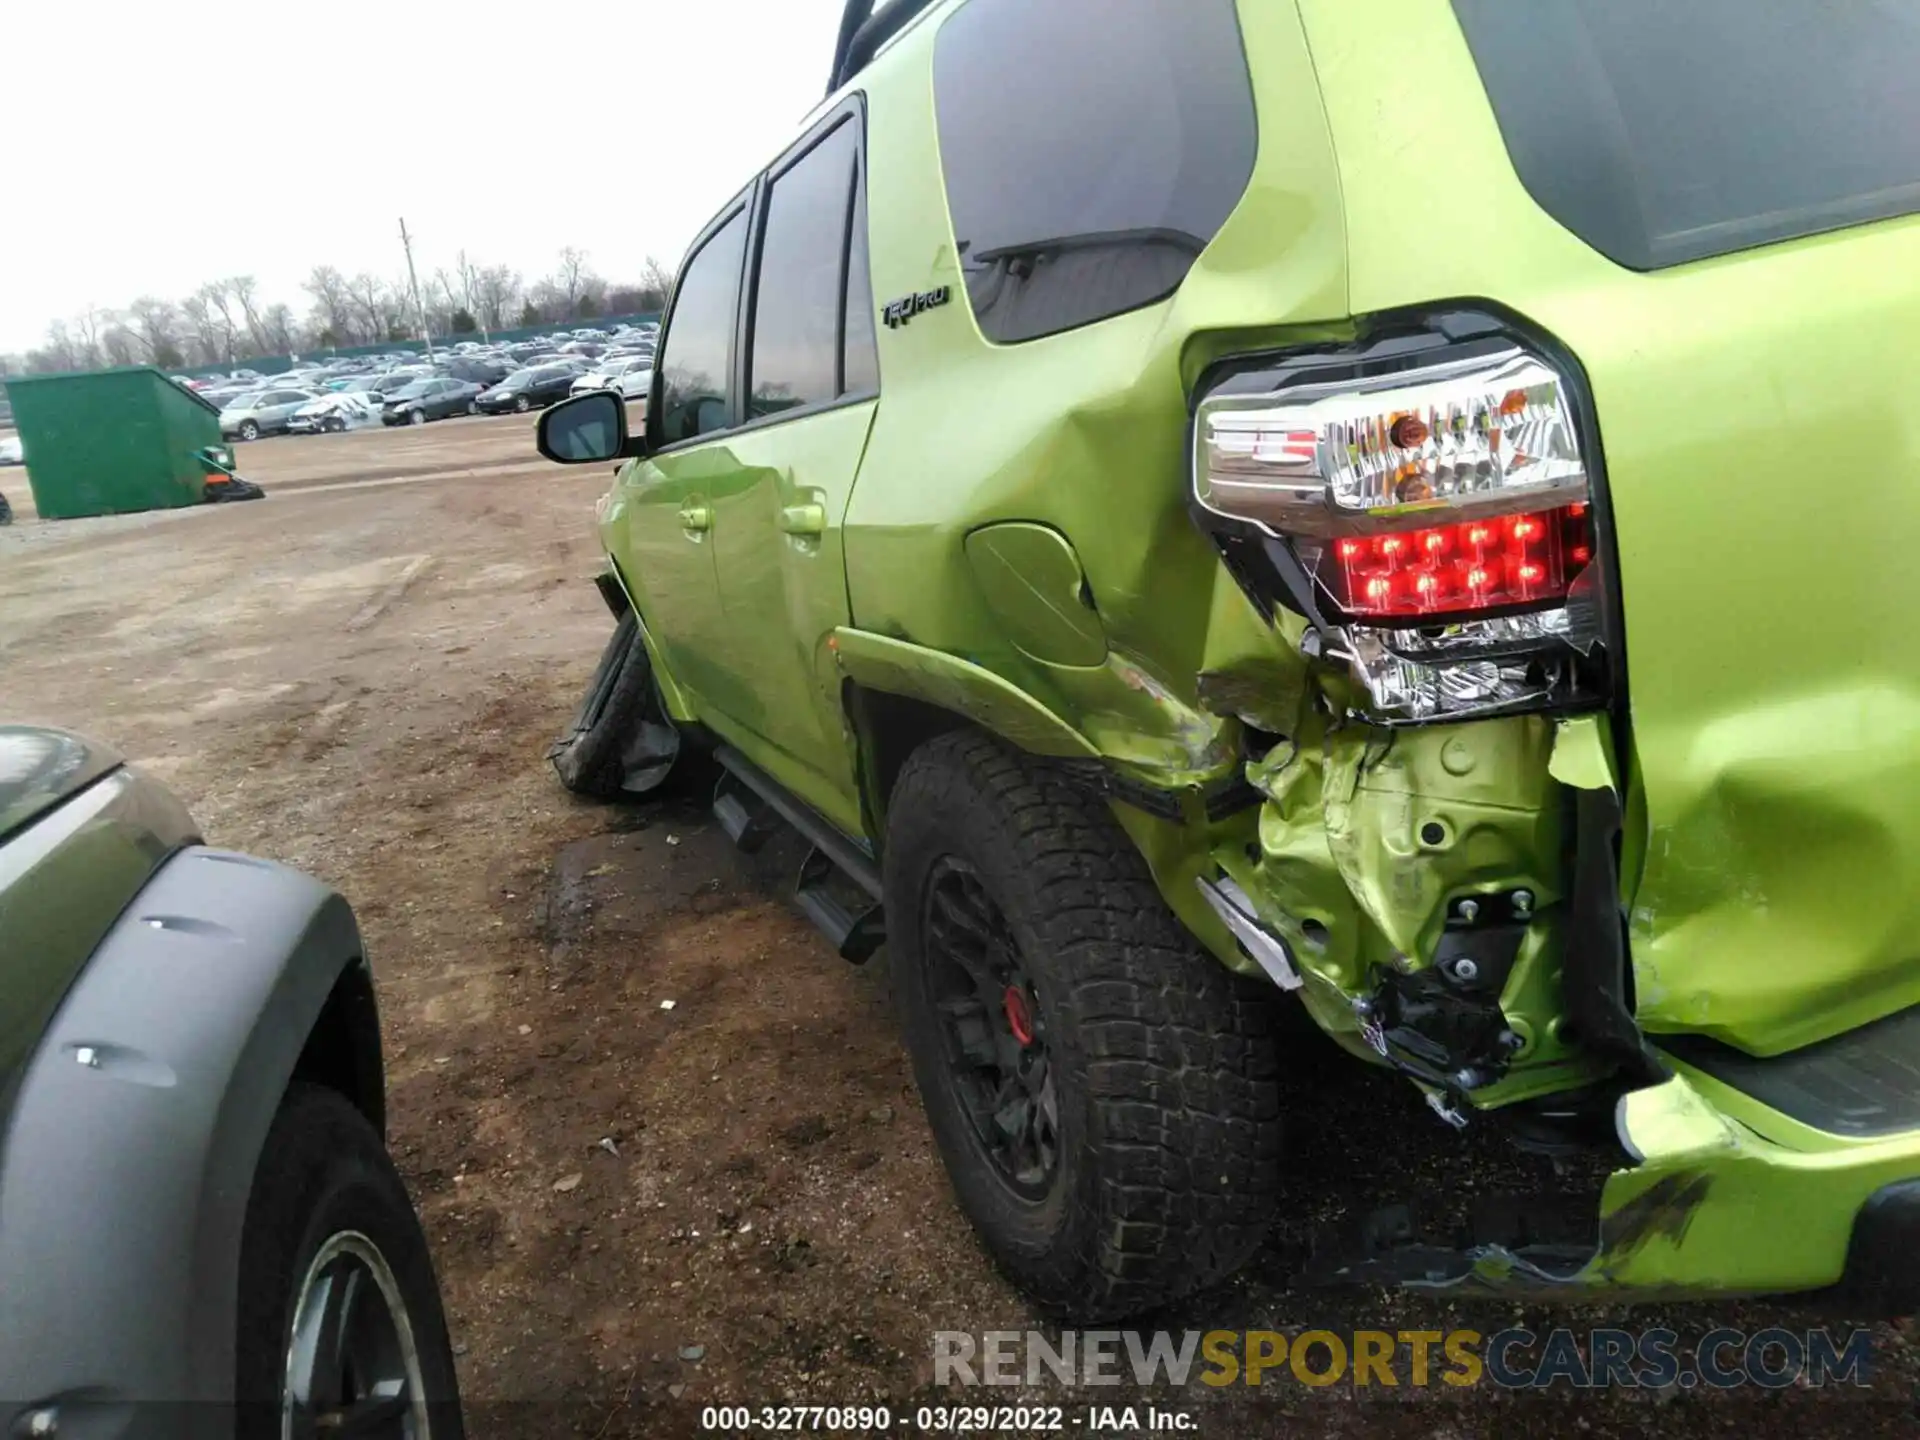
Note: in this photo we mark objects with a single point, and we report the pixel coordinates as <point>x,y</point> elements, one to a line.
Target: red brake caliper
<point>1019,1015</point>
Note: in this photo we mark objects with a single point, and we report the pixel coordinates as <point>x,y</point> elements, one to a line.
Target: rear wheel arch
<point>889,728</point>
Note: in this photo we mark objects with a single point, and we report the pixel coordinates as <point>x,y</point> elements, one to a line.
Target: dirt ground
<point>665,1143</point>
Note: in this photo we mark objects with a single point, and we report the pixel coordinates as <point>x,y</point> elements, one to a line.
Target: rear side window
<point>1661,132</point>
<point>697,396</point>
<point>1092,149</point>
<point>797,313</point>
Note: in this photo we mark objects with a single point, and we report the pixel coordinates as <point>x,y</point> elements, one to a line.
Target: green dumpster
<point>111,441</point>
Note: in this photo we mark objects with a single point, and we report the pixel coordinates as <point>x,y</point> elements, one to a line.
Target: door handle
<point>804,519</point>
<point>696,517</point>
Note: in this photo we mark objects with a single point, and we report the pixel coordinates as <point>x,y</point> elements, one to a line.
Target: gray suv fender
<point>132,1140</point>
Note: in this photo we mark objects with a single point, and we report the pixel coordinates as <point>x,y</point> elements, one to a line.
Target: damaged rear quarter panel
<point>1082,432</point>
<point>1762,452</point>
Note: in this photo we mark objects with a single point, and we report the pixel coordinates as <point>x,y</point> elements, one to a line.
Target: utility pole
<point>426,331</point>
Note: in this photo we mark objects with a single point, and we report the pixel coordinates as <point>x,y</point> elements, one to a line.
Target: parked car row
<point>407,389</point>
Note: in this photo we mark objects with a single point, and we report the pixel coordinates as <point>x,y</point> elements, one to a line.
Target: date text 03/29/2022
<point>1006,1420</point>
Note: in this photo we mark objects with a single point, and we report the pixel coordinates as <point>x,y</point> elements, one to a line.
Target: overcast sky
<point>156,146</point>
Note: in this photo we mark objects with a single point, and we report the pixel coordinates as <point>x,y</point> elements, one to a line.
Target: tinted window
<point>796,323</point>
<point>697,397</point>
<point>1091,148</point>
<point>1662,132</point>
<point>862,373</point>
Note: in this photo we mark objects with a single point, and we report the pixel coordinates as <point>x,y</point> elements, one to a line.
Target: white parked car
<point>342,410</point>
<point>632,378</point>
<point>10,451</point>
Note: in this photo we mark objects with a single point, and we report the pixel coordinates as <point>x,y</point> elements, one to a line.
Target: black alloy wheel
<point>995,1038</point>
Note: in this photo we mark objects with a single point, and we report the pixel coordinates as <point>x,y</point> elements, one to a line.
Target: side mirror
<point>587,429</point>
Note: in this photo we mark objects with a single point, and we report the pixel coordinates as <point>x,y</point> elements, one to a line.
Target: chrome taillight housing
<point>1432,504</point>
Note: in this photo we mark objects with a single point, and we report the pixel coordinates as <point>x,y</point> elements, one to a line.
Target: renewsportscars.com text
<point>1514,1359</point>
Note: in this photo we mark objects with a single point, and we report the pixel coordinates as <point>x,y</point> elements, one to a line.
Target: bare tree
<point>656,283</point>
<point>155,325</point>
<point>546,300</point>
<point>371,307</point>
<point>244,293</point>
<point>332,307</point>
<point>200,338</point>
<point>573,280</point>
<point>60,352</point>
<point>221,330</point>
<point>278,325</point>
<point>467,274</point>
<point>496,292</point>
<point>88,326</point>
<point>118,344</point>
<point>626,300</point>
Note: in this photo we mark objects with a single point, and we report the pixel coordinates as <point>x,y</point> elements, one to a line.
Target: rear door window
<point>1663,131</point>
<point>697,396</point>
<point>1091,149</point>
<point>812,332</point>
<point>795,354</point>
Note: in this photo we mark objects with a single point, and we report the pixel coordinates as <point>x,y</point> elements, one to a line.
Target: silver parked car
<point>262,412</point>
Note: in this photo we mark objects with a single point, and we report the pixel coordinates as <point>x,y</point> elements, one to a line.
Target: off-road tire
<point>323,1172</point>
<point>1163,1059</point>
<point>620,742</point>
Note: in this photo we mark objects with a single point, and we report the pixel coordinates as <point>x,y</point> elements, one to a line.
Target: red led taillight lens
<point>1430,520</point>
<point>1461,567</point>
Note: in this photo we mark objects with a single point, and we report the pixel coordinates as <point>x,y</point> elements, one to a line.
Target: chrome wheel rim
<point>352,1368</point>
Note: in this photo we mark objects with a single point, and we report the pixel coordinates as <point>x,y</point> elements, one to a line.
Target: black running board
<point>839,884</point>
<point>1863,1084</point>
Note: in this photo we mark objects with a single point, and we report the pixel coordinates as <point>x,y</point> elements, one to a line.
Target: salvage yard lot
<point>638,1210</point>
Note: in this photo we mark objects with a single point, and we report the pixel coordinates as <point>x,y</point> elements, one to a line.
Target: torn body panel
<point>1708,1206</point>
<point>1387,856</point>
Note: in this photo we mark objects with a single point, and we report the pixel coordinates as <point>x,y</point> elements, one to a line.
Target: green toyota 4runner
<point>1397,509</point>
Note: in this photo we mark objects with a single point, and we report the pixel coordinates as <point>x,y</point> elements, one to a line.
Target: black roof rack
<point>864,28</point>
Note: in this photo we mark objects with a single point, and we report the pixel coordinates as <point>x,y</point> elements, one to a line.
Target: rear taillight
<point>1459,568</point>
<point>1434,514</point>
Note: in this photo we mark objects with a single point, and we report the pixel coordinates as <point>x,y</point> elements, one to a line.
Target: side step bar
<point>1864,1084</point>
<point>838,887</point>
